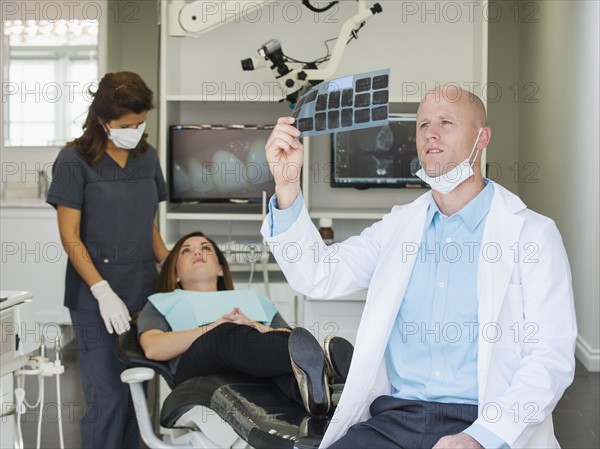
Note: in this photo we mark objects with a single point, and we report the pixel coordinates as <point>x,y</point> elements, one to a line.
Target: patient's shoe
<point>308,364</point>
<point>338,352</point>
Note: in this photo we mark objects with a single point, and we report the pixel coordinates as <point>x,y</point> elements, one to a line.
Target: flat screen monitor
<point>218,164</point>
<point>383,156</point>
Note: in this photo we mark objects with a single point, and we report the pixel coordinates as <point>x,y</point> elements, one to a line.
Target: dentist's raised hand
<point>285,155</point>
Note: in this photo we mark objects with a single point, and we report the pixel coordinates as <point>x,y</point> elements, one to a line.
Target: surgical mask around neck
<point>126,138</point>
<point>447,182</point>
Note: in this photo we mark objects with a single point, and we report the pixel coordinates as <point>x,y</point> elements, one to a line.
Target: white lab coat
<point>527,325</point>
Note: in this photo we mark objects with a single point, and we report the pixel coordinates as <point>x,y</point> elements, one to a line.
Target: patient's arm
<point>163,346</point>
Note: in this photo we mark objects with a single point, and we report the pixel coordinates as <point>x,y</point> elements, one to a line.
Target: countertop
<point>24,203</point>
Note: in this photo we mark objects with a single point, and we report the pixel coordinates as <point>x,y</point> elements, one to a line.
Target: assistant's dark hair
<point>167,278</point>
<point>118,94</point>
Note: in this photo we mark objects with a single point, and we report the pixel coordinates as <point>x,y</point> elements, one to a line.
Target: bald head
<point>471,103</point>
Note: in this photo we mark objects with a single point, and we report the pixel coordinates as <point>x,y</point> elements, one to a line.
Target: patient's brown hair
<point>167,278</point>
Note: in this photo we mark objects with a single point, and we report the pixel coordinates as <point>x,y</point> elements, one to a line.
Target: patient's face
<point>197,264</point>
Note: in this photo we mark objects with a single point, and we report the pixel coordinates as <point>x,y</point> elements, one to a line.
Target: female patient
<point>234,343</point>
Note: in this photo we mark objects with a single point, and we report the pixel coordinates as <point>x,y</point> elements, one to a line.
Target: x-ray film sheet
<point>343,104</point>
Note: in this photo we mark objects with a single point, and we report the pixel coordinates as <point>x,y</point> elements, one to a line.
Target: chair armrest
<point>137,375</point>
<point>131,354</point>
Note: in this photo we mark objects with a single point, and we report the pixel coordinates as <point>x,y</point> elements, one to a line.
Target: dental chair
<point>219,411</point>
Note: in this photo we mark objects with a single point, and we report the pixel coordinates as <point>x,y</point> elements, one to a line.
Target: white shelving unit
<point>201,82</point>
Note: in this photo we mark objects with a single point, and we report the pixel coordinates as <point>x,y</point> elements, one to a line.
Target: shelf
<point>219,99</point>
<point>213,216</point>
<point>199,98</point>
<point>343,214</point>
<point>349,214</point>
<point>340,214</point>
<point>332,300</point>
<point>360,296</point>
<point>245,267</point>
<point>214,212</point>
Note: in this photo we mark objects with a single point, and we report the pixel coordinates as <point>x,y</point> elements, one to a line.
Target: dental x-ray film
<point>344,104</point>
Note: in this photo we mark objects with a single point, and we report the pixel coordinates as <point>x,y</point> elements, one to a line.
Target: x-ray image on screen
<point>384,156</point>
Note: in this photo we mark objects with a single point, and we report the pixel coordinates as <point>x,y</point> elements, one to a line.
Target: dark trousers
<point>109,420</point>
<point>403,424</point>
<point>232,348</point>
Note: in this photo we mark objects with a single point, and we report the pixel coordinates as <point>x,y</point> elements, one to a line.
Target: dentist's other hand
<point>459,441</point>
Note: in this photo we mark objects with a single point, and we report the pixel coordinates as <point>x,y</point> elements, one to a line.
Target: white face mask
<point>127,138</point>
<point>447,182</point>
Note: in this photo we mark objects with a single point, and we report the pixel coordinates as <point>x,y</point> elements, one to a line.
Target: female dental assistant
<point>106,186</point>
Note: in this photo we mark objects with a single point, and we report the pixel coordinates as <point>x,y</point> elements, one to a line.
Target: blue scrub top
<point>118,206</point>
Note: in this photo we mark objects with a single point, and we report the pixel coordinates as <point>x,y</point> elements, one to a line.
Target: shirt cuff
<point>282,220</point>
<point>485,437</point>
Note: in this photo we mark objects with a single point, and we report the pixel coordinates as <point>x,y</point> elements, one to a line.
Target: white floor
<point>576,417</point>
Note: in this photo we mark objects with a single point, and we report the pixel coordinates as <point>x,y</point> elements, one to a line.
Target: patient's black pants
<point>232,348</point>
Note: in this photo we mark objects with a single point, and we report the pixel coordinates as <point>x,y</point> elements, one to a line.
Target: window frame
<point>101,58</point>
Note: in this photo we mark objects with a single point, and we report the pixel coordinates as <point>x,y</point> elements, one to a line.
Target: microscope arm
<point>201,16</point>
<point>364,13</point>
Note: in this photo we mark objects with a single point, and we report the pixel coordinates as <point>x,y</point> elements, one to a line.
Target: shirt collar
<point>472,213</point>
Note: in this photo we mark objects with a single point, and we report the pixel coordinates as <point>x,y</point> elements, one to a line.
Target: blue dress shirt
<point>432,350</point>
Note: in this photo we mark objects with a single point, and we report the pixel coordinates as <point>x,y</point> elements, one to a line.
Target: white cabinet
<point>33,258</point>
<point>8,422</point>
<point>333,317</point>
<point>286,300</point>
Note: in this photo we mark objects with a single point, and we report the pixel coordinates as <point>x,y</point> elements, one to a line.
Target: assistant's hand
<point>113,310</point>
<point>285,155</point>
<point>459,441</point>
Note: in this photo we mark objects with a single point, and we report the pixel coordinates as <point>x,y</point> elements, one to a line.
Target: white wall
<point>132,37</point>
<point>503,107</point>
<point>560,53</point>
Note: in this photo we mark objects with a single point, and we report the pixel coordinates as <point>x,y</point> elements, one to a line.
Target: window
<point>50,68</point>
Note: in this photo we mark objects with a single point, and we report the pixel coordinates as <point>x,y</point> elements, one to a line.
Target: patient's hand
<point>221,320</point>
<point>238,317</point>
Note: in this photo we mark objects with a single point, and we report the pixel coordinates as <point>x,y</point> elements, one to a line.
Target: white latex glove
<point>113,310</point>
